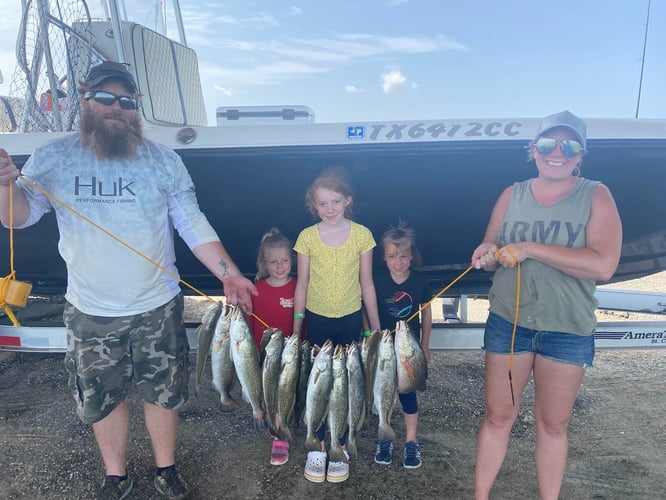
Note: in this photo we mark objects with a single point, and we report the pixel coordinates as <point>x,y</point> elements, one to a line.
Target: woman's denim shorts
<point>558,346</point>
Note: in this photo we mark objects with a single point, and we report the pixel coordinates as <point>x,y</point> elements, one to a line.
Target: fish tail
<point>386,432</point>
<point>284,433</point>
<point>312,443</point>
<point>228,403</point>
<point>337,454</point>
<point>351,446</point>
<point>259,419</point>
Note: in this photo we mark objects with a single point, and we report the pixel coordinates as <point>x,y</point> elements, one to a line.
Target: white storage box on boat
<point>267,115</point>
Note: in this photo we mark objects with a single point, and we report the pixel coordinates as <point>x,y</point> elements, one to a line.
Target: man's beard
<point>105,140</point>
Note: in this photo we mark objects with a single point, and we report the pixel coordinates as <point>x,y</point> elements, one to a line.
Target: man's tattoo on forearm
<point>225,267</point>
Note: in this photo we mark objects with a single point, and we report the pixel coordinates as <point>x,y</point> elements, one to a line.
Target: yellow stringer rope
<point>108,233</point>
<point>437,295</point>
<point>163,269</point>
<point>513,262</point>
<point>4,282</point>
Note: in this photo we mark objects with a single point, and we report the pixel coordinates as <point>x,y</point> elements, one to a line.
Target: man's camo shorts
<point>104,355</point>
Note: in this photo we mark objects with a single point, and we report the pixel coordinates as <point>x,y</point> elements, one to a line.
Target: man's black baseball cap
<point>111,70</point>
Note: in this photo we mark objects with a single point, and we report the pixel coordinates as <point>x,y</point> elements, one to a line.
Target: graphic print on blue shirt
<point>399,305</point>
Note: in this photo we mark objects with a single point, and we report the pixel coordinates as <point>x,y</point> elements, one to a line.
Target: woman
<point>560,234</point>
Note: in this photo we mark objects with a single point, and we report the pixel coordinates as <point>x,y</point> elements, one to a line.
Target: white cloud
<point>393,81</point>
<point>321,54</point>
<point>352,89</point>
<point>202,22</point>
<point>276,72</point>
<point>224,90</point>
<point>252,63</point>
<point>295,11</point>
<point>260,19</point>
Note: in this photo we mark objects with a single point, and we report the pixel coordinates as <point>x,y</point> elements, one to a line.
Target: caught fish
<point>412,365</point>
<point>302,385</point>
<point>385,385</point>
<point>220,359</point>
<point>356,382</point>
<point>270,375</point>
<point>369,348</point>
<point>338,404</point>
<point>265,338</point>
<point>289,373</point>
<point>319,388</point>
<point>246,362</point>
<point>205,332</point>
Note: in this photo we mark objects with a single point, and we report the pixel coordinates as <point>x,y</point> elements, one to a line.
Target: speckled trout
<point>205,332</point>
<point>246,362</point>
<point>412,365</point>
<point>356,382</point>
<point>319,388</point>
<point>289,370</point>
<point>220,360</point>
<point>385,385</point>
<point>270,375</point>
<point>338,404</point>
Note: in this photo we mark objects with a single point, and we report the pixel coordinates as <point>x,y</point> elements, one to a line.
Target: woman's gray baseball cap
<point>564,119</point>
<point>111,70</point>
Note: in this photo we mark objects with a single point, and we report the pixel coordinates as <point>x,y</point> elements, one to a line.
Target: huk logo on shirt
<point>101,188</point>
<point>103,191</point>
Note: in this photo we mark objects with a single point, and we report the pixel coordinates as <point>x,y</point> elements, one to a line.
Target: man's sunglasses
<point>108,99</point>
<point>569,147</point>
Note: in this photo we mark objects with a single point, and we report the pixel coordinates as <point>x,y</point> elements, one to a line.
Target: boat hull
<point>444,189</point>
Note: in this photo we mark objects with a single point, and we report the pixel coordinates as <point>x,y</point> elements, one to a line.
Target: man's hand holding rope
<point>8,171</point>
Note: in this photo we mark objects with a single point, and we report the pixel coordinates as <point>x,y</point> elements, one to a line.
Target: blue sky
<point>380,60</point>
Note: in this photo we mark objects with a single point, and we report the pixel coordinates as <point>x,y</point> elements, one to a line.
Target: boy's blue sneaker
<point>384,453</point>
<point>412,456</point>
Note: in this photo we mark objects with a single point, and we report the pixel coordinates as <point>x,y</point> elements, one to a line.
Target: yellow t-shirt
<point>334,287</point>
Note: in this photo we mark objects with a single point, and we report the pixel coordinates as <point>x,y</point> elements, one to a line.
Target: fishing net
<point>53,51</point>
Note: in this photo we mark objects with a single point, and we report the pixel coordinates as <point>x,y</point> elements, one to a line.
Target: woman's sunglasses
<point>569,147</point>
<point>108,99</point>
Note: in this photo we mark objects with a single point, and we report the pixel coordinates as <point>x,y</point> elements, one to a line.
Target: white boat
<point>441,176</point>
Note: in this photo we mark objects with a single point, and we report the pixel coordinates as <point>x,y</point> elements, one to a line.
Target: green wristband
<point>299,315</point>
<point>367,333</point>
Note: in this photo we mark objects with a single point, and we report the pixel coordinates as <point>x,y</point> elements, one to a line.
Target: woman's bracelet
<point>299,315</point>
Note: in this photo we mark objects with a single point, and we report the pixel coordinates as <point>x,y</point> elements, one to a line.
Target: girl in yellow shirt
<point>334,269</point>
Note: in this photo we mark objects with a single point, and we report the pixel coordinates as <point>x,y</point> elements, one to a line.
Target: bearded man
<point>124,315</point>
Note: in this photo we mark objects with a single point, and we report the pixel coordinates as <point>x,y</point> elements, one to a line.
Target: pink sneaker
<point>279,452</point>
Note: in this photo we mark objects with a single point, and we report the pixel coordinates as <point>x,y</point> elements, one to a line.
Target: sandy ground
<point>617,437</point>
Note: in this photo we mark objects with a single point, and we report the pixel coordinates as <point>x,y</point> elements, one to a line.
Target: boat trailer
<point>455,333</point>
